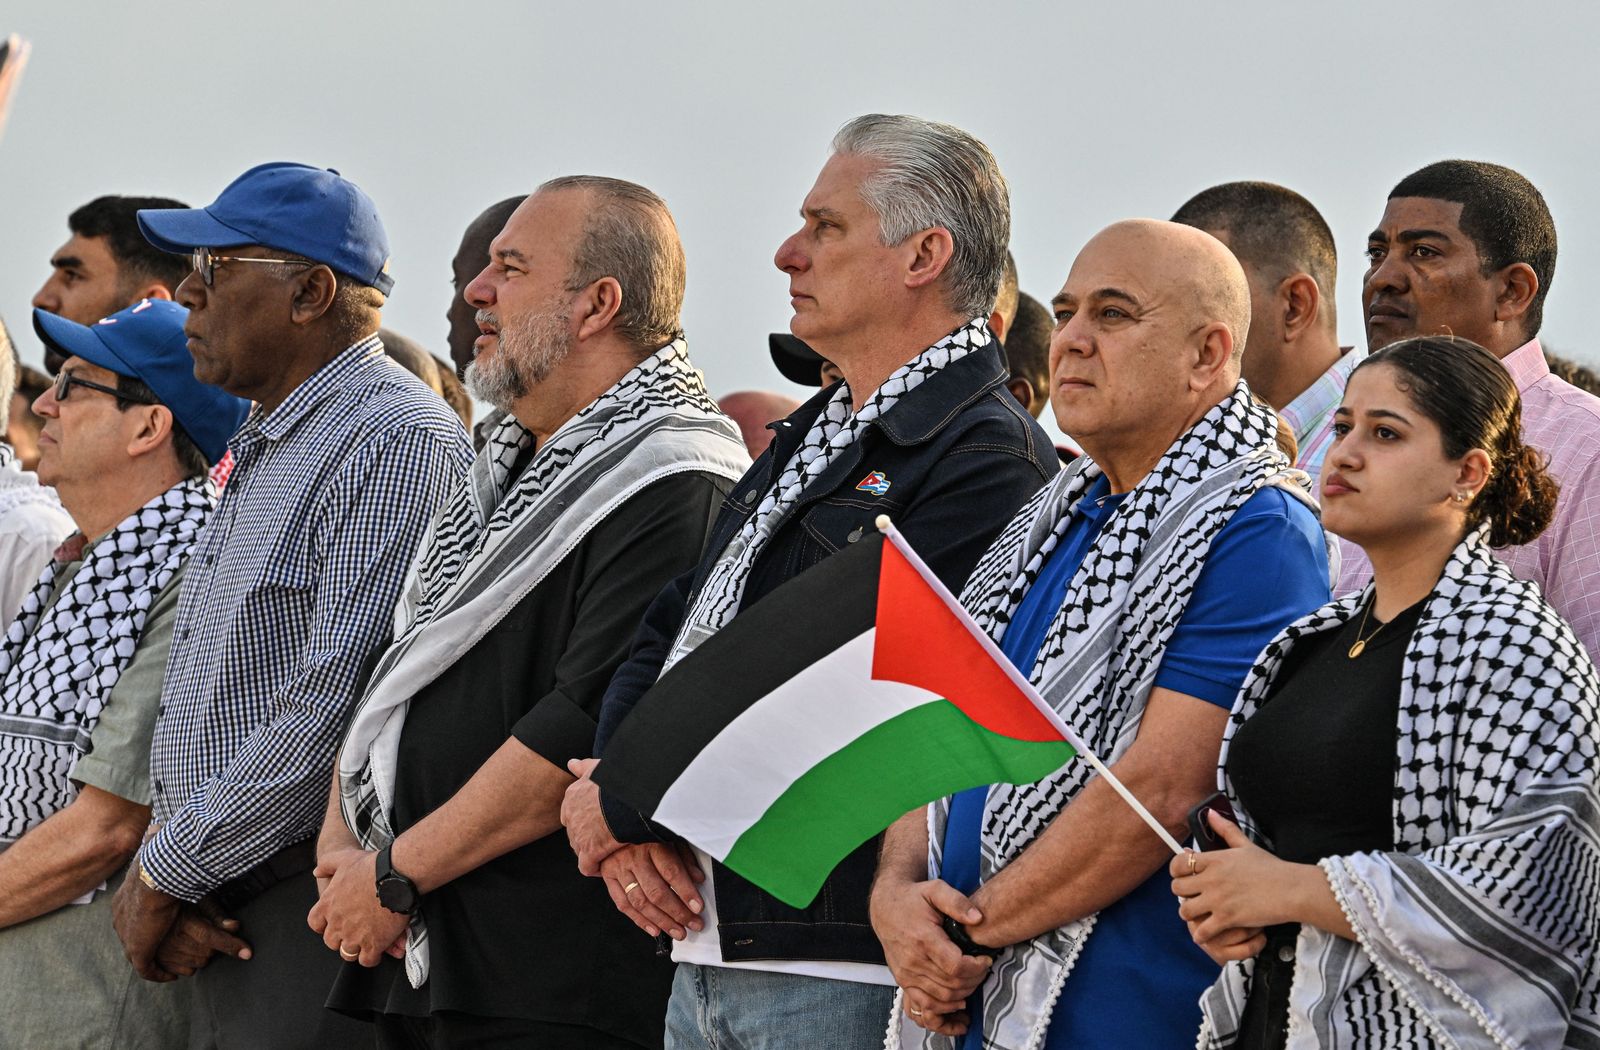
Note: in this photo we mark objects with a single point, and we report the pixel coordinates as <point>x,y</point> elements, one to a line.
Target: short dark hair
<point>133,391</point>
<point>1503,213</point>
<point>1473,401</point>
<point>1027,344</point>
<point>31,382</point>
<point>1271,228</point>
<point>116,219</point>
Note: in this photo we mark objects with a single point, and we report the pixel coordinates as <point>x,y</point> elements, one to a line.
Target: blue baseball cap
<point>146,341</point>
<point>314,212</point>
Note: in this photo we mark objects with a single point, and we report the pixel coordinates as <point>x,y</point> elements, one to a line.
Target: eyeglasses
<point>205,264</point>
<point>65,381</point>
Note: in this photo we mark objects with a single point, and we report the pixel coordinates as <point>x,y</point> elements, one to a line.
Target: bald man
<point>753,410</point>
<point>1181,480</point>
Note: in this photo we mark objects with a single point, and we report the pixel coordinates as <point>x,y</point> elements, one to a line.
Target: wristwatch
<point>962,939</point>
<point>395,891</point>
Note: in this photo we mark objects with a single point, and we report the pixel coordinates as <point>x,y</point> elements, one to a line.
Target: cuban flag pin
<point>874,483</point>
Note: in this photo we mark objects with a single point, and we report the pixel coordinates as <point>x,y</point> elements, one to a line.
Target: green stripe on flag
<point>920,755</point>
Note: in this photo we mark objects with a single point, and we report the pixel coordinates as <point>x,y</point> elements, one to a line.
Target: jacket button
<point>749,497</point>
<point>1286,954</point>
<point>855,534</point>
<point>745,943</point>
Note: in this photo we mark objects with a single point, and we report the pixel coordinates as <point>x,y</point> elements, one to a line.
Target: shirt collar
<point>331,377</point>
<point>1526,364</point>
<point>1306,411</point>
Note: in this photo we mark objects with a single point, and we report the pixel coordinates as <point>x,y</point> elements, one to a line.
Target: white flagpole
<point>886,527</point>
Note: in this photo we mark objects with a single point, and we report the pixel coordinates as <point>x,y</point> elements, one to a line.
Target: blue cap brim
<point>71,339</point>
<point>180,230</point>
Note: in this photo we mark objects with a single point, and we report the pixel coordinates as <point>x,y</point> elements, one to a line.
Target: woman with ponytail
<point>1414,859</point>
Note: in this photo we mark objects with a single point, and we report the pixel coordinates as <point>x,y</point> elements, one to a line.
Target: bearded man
<point>595,490</point>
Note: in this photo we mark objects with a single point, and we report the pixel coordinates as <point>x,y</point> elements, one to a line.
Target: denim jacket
<point>960,456</point>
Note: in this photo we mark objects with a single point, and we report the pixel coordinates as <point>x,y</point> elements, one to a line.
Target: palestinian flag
<point>851,695</point>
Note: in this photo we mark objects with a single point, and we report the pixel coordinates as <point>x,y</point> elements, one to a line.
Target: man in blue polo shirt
<point>1136,592</point>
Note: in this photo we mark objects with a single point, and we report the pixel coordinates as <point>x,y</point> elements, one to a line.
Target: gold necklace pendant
<point>1361,643</point>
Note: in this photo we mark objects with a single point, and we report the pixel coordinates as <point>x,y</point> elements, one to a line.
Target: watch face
<point>396,894</point>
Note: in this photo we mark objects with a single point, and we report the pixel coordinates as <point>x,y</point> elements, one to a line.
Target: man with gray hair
<point>442,836</point>
<point>892,276</point>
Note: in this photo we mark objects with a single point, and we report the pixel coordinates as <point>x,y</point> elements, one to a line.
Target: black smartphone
<point>1204,837</point>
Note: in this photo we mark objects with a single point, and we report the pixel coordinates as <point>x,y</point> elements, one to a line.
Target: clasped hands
<point>935,976</point>
<point>652,884</point>
<point>166,938</point>
<point>348,915</point>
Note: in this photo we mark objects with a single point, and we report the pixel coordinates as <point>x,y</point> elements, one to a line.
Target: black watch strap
<point>395,892</point>
<point>962,939</point>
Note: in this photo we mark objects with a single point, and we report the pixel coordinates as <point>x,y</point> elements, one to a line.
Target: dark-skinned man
<point>470,258</point>
<point>289,591</point>
<point>1469,249</point>
<point>892,277</point>
<point>605,476</point>
<point>1060,884</point>
<point>74,747</point>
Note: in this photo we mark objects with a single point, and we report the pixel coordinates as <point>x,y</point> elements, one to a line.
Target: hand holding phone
<point>1200,827</point>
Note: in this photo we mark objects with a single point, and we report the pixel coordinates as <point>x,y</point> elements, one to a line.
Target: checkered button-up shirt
<point>1564,422</point>
<point>289,589</point>
<point>1310,415</point>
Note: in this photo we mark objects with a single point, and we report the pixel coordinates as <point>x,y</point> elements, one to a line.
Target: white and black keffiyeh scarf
<point>836,429</point>
<point>59,665</point>
<point>1099,660</point>
<point>495,539</point>
<point>1480,928</point>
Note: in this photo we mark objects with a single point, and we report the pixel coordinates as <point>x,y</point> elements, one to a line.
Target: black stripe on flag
<point>797,625</point>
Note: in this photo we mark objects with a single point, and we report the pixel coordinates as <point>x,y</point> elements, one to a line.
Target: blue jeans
<point>719,1008</point>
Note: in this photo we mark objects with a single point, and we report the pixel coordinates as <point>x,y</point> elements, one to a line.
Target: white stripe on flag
<point>739,775</point>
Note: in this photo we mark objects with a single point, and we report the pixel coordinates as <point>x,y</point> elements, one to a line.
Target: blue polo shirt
<point>1138,981</point>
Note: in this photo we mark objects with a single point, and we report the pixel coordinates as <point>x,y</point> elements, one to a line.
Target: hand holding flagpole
<point>886,527</point>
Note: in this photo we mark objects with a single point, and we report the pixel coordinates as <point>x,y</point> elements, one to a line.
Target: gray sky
<point>726,110</point>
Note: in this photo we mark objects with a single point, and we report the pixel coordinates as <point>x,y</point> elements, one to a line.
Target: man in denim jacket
<point>892,276</point>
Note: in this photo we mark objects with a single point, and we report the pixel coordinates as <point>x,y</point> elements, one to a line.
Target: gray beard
<point>529,350</point>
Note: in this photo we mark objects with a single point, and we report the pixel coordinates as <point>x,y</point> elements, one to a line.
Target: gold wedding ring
<point>1191,864</point>
<point>913,1011</point>
<point>348,956</point>
<point>629,888</point>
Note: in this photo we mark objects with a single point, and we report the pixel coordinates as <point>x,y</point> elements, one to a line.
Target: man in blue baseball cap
<point>128,436</point>
<point>336,474</point>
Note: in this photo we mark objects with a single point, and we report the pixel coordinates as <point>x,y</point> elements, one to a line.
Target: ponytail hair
<point>1470,397</point>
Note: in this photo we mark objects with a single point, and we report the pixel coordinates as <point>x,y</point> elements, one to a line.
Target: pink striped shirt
<point>1564,422</point>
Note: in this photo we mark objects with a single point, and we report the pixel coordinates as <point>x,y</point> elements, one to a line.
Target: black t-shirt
<point>526,935</point>
<point>1314,765</point>
<point>1314,768</point>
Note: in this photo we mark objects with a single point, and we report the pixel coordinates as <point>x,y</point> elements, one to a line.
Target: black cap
<point>797,361</point>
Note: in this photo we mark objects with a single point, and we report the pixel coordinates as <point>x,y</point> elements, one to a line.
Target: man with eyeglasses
<point>292,587</point>
<point>31,519</point>
<point>81,672</point>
